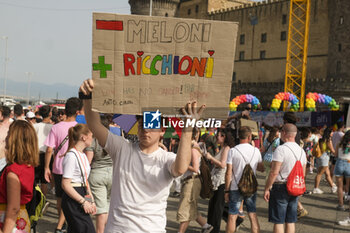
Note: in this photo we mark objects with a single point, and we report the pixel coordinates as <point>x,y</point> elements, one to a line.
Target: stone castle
<point>260,58</point>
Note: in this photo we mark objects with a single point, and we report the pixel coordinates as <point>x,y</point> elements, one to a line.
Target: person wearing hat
<point>30,117</point>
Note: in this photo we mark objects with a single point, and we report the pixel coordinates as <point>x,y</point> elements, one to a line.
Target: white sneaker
<point>345,222</point>
<point>46,206</point>
<point>317,191</point>
<point>208,229</point>
<point>346,197</point>
<point>334,189</point>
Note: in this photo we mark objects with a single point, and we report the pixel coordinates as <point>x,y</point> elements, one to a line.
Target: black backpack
<point>35,206</point>
<point>248,184</point>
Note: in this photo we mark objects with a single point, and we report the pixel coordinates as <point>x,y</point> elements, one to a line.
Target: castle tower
<point>165,8</point>
<point>338,49</point>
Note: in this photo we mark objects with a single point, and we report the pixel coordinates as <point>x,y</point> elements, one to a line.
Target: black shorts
<point>78,221</point>
<point>40,170</point>
<point>333,159</point>
<point>58,185</point>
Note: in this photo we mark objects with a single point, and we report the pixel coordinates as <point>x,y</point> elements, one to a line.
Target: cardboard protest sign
<point>161,63</point>
<point>253,125</point>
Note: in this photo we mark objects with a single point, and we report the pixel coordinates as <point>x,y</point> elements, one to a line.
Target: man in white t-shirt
<point>282,206</point>
<point>142,172</point>
<point>238,157</point>
<point>43,129</point>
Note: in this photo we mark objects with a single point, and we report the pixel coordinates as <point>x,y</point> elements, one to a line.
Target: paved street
<point>321,219</point>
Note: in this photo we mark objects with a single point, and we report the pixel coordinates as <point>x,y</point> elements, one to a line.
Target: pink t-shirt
<point>56,136</point>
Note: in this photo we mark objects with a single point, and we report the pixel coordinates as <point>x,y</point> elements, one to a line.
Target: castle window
<point>242,39</point>
<point>338,68</point>
<point>284,19</point>
<point>283,36</point>
<point>339,48</point>
<point>341,20</point>
<point>241,55</point>
<point>189,11</point>
<point>166,14</point>
<point>263,37</point>
<point>197,8</point>
<point>262,54</point>
<point>234,77</point>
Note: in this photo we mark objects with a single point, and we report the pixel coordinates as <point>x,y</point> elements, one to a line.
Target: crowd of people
<point>94,169</point>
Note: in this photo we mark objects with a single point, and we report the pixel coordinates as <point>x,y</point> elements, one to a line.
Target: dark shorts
<point>78,221</point>
<point>58,185</point>
<point>282,207</point>
<point>40,170</point>
<point>333,159</point>
<point>236,201</point>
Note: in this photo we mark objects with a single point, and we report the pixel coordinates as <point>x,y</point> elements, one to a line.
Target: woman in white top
<point>216,204</point>
<point>77,201</point>
<point>342,167</point>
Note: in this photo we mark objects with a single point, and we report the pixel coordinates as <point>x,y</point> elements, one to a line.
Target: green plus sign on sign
<point>102,67</point>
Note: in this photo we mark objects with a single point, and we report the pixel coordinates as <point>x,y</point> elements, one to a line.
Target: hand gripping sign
<point>142,62</point>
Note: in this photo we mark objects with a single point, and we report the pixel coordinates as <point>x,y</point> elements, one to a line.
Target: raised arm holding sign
<point>142,64</point>
<point>143,172</point>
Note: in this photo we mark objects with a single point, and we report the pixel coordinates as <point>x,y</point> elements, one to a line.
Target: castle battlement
<point>246,6</point>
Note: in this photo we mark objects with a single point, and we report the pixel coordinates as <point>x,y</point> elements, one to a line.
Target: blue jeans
<point>342,168</point>
<point>282,206</point>
<point>236,200</point>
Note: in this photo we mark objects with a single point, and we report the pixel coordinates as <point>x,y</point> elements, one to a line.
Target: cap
<point>30,115</point>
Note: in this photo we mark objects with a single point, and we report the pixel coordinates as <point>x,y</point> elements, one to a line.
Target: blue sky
<point>50,38</point>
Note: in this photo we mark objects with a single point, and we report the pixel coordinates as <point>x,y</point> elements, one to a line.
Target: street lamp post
<point>29,74</point>
<point>5,68</point>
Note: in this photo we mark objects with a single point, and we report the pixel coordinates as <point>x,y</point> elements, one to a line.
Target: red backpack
<point>296,182</point>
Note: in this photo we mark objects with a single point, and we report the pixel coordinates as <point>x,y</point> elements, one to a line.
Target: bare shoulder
<point>11,176</point>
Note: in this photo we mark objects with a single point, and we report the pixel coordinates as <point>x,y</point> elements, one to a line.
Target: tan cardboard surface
<point>252,125</point>
<point>141,62</point>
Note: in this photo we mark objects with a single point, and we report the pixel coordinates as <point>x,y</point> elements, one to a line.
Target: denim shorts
<point>282,207</point>
<point>236,200</point>
<point>342,168</point>
<point>323,160</point>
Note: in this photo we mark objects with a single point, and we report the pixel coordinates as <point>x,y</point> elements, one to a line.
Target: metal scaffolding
<point>297,48</point>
